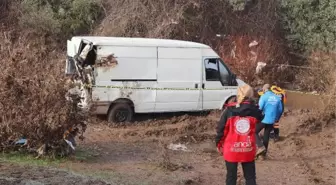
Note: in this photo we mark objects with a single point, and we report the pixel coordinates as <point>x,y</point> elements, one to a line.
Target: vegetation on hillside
<point>34,33</point>
<point>310,25</point>
<point>60,18</point>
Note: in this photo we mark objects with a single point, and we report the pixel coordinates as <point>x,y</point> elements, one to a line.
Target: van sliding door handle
<point>203,86</point>
<point>196,86</point>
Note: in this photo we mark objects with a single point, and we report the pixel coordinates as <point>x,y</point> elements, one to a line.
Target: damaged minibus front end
<point>81,56</point>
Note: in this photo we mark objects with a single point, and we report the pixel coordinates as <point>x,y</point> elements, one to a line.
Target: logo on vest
<point>242,126</point>
<point>242,146</point>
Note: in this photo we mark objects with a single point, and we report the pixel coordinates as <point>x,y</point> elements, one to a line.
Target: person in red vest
<point>236,136</point>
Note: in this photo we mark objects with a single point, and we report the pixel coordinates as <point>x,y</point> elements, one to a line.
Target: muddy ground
<point>137,154</point>
<point>18,175</point>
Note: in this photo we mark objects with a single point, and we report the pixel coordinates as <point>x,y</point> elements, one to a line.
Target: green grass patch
<point>29,159</point>
<point>85,155</point>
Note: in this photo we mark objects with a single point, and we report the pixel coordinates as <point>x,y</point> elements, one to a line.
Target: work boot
<point>276,139</point>
<point>262,157</point>
<point>272,135</point>
<point>260,151</point>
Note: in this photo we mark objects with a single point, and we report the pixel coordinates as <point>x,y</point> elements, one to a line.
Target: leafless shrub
<point>213,22</point>
<point>242,58</point>
<point>196,20</point>
<point>142,18</point>
<point>32,98</point>
<point>320,76</point>
<point>4,6</point>
<point>320,72</point>
<point>32,84</point>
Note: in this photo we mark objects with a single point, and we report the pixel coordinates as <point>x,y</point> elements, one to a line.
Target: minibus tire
<point>120,113</point>
<point>230,100</point>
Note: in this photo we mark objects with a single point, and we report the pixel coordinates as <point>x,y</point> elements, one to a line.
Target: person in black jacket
<point>236,136</point>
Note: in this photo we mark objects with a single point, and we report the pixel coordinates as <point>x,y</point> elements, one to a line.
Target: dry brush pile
<point>320,76</point>
<point>32,93</point>
<point>226,26</point>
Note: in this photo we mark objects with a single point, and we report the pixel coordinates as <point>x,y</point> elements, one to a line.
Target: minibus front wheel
<point>120,113</point>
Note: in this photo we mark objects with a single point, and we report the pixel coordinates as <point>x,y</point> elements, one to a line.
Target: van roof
<point>128,41</point>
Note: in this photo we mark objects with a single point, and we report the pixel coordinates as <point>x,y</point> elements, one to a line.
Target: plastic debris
<point>179,146</point>
<point>70,144</point>
<point>260,66</point>
<point>21,142</point>
<point>254,43</point>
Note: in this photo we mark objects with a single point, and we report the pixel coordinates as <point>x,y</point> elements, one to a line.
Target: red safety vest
<point>239,144</point>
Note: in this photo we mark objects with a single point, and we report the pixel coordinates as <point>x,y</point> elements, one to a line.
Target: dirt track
<point>297,159</point>
<point>19,175</point>
<point>136,154</point>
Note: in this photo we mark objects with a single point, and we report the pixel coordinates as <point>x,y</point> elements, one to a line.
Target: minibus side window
<point>224,73</point>
<point>211,70</point>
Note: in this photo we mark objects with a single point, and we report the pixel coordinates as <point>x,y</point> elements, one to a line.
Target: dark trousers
<point>248,169</point>
<point>276,132</point>
<point>268,128</point>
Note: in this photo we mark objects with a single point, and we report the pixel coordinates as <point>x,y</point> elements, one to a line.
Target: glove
<point>276,125</point>
<point>219,150</point>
